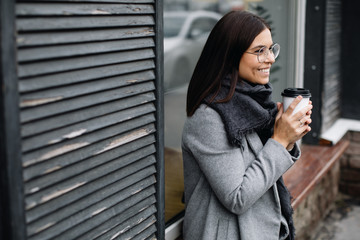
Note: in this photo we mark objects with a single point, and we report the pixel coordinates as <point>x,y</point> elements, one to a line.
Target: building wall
<point>350,166</point>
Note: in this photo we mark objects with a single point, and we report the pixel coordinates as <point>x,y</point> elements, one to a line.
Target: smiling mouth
<point>265,70</point>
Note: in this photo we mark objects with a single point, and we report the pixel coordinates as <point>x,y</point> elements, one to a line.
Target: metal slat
<point>83,210</point>
<point>81,36</point>
<point>70,91</point>
<point>75,184</point>
<point>56,9</point>
<point>75,63</point>
<point>93,223</point>
<point>57,231</point>
<point>86,127</point>
<point>147,203</point>
<point>97,1</point>
<point>153,236</point>
<point>150,229</point>
<point>90,151</point>
<point>84,75</point>
<point>45,179</point>
<point>126,231</point>
<point>34,113</point>
<point>143,122</point>
<point>40,194</point>
<point>99,189</point>
<point>79,49</point>
<point>140,231</point>
<point>127,218</point>
<point>66,23</point>
<point>67,119</point>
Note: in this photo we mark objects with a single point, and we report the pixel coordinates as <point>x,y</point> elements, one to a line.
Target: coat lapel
<point>256,145</point>
<point>254,142</point>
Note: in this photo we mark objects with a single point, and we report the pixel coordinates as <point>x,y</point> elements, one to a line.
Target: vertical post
<point>12,218</point>
<point>159,62</point>
<point>314,63</point>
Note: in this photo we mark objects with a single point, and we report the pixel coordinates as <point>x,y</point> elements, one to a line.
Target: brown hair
<point>227,42</point>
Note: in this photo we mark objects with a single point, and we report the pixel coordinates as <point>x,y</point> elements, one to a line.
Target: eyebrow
<point>260,46</point>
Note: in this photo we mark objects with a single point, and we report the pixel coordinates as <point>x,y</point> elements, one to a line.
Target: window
<point>284,17</point>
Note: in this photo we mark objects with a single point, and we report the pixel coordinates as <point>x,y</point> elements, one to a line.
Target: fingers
<point>306,111</point>
<point>294,103</point>
<point>291,126</point>
<point>280,110</point>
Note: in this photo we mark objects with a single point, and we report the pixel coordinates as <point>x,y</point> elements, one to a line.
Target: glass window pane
<point>186,28</point>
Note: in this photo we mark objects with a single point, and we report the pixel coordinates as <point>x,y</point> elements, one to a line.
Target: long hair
<point>230,38</point>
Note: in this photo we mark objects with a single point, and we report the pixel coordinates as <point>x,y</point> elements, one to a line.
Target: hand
<point>291,127</point>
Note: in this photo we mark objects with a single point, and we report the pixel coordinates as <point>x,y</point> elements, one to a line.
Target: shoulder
<point>203,118</point>
<point>205,128</point>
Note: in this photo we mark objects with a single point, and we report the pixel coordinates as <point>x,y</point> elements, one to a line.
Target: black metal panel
<point>12,224</point>
<point>350,59</point>
<point>90,127</point>
<point>314,63</point>
<point>160,163</point>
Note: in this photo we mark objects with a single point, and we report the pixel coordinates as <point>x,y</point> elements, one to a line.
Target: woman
<point>237,143</point>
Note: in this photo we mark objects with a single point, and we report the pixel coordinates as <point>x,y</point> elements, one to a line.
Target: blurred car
<point>185,34</point>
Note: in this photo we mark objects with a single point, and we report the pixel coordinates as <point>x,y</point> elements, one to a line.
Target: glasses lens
<point>275,50</point>
<point>262,54</point>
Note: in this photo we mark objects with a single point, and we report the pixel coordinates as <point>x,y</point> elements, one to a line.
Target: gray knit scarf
<point>252,110</point>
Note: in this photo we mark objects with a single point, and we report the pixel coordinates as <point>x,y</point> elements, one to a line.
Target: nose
<point>270,58</point>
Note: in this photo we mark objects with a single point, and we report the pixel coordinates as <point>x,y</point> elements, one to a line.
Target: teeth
<point>265,70</point>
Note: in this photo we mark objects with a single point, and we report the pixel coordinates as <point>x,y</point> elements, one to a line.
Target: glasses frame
<point>266,53</point>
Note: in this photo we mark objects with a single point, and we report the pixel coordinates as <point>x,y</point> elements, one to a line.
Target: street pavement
<point>343,221</point>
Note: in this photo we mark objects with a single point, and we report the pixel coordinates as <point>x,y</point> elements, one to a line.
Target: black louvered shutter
<point>88,86</point>
<point>331,108</point>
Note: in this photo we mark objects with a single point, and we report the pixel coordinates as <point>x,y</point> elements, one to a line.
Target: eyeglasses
<point>263,52</point>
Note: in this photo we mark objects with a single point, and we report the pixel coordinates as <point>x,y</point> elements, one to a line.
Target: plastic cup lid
<point>294,92</point>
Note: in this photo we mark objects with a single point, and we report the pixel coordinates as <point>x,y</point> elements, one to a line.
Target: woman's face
<point>249,67</point>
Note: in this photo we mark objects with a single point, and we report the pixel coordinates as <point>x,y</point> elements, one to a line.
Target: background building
<point>90,121</point>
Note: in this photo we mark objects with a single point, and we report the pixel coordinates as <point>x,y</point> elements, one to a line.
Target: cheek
<point>247,69</point>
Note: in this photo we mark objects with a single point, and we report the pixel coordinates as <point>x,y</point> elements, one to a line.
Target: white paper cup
<point>289,94</point>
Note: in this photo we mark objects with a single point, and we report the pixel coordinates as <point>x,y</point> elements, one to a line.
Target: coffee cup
<point>289,94</point>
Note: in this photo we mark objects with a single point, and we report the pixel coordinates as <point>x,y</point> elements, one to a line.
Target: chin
<point>263,81</point>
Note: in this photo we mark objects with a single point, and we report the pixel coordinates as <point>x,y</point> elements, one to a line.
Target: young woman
<point>237,143</point>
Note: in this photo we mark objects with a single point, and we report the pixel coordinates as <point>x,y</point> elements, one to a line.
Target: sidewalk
<point>343,222</point>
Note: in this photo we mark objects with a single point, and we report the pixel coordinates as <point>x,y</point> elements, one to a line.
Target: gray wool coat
<point>231,193</point>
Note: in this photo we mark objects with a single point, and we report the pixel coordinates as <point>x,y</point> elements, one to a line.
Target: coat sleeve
<point>236,185</point>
